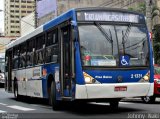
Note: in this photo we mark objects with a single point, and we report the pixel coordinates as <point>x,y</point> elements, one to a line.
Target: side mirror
<point>74,30</point>
<point>73,23</point>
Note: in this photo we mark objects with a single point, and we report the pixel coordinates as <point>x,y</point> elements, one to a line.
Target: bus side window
<point>15,57</point>
<point>6,62</point>
<point>52,47</point>
<point>40,46</point>
<point>22,57</point>
<point>30,53</point>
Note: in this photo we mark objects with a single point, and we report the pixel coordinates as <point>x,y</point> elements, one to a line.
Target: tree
<point>156,44</point>
<point>156,41</point>
<point>141,8</point>
<point>155,11</point>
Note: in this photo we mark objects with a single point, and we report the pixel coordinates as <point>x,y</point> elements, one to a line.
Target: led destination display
<point>109,16</point>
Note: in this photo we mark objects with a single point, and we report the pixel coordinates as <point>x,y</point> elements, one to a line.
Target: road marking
<point>3,104</point>
<point>126,103</point>
<point>1,111</point>
<point>20,108</point>
<point>109,104</point>
<point>49,107</point>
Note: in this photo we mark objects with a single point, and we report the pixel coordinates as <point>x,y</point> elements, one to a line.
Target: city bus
<point>2,67</point>
<point>85,54</point>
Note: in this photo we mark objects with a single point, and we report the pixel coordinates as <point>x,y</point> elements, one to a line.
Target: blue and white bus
<point>89,54</point>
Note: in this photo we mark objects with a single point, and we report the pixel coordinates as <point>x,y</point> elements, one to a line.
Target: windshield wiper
<point>105,34</point>
<point>125,36</point>
<point>109,38</point>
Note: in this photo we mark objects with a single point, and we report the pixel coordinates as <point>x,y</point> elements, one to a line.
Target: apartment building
<point>14,11</point>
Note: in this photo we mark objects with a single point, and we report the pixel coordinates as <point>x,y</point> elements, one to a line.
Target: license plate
<point>120,88</point>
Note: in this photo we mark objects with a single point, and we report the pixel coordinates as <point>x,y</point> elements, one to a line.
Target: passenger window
<point>16,57</point>
<point>52,47</point>
<point>30,53</point>
<point>40,48</point>
<point>22,57</point>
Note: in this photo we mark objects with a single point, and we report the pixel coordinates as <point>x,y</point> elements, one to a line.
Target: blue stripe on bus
<point>151,60</point>
<point>129,76</point>
<point>50,69</point>
<point>79,73</point>
<point>44,88</point>
<point>60,19</point>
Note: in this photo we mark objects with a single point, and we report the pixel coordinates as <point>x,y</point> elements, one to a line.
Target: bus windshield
<point>113,45</point>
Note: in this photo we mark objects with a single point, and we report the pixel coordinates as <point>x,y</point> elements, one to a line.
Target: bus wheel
<point>149,99</point>
<point>114,104</point>
<point>55,103</point>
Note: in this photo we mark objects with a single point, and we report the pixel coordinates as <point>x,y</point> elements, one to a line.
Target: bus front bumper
<point>101,91</point>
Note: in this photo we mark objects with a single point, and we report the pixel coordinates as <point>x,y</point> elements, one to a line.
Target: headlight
<point>88,79</point>
<point>157,81</point>
<point>146,78</point>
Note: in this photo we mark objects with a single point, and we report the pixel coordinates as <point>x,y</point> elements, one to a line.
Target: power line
<point>115,3</point>
<point>106,3</point>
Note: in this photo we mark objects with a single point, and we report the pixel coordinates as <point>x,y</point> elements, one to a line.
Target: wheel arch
<point>50,78</point>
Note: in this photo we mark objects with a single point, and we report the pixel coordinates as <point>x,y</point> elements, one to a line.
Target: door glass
<point>66,60</point>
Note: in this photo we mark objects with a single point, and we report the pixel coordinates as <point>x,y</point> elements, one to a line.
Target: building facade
<point>64,5</point>
<point>4,41</point>
<point>26,27</point>
<point>14,11</point>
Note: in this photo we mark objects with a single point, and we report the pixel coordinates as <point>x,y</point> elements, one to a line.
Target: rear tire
<point>149,99</point>
<point>55,103</point>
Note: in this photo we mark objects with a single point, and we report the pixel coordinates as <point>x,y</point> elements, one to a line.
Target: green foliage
<point>141,8</point>
<point>155,11</point>
<point>131,9</point>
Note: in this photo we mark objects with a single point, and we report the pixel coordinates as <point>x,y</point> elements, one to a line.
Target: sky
<point>1,15</point>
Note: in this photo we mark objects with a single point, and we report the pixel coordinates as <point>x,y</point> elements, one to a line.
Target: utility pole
<point>148,14</point>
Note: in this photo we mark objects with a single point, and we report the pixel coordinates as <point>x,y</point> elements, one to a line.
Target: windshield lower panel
<point>113,45</point>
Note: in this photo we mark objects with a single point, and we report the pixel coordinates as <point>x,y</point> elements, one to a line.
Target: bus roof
<point>65,16</point>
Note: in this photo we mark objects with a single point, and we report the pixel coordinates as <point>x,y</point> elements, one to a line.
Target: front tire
<point>149,99</point>
<point>55,103</point>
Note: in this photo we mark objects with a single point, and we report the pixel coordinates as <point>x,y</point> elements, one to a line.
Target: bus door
<point>9,75</point>
<point>66,65</point>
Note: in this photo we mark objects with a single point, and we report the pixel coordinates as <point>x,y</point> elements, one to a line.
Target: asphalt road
<point>39,109</point>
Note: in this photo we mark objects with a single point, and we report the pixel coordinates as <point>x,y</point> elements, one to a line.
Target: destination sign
<point>109,16</point>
